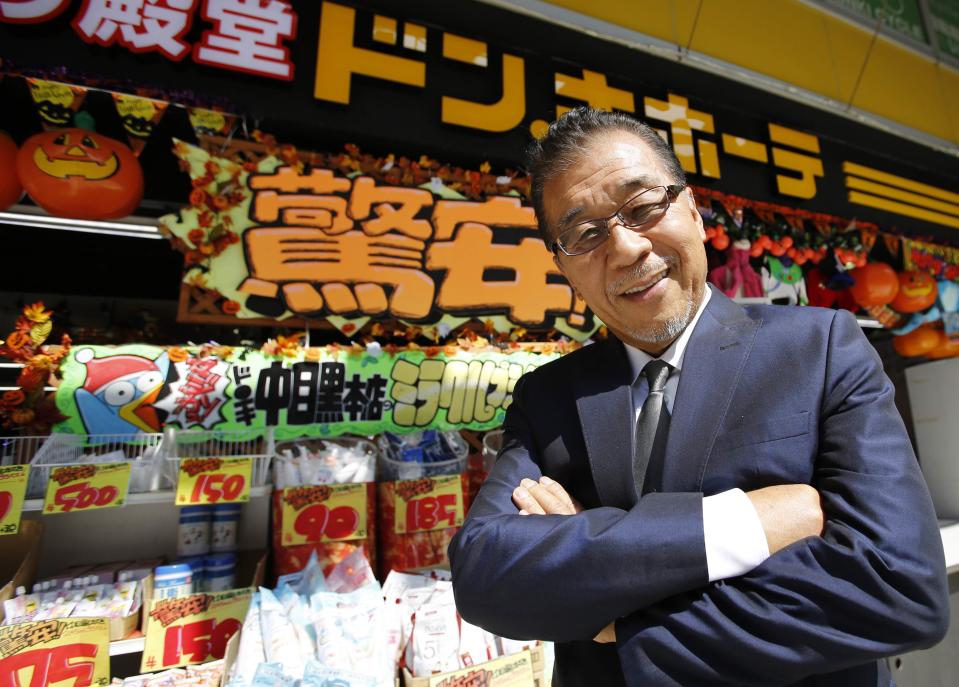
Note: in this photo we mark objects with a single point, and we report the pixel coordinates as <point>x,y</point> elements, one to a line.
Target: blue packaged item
<point>198,566</point>
<point>220,572</point>
<point>193,534</point>
<point>223,530</point>
<point>172,581</point>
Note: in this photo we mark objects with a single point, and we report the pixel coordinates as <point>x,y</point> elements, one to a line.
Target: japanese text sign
<point>429,503</point>
<point>71,652</point>
<point>515,670</point>
<point>213,481</point>
<point>336,512</point>
<point>192,629</point>
<point>87,487</point>
<point>13,487</point>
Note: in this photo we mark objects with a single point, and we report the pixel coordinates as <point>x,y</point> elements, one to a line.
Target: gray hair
<point>564,144</point>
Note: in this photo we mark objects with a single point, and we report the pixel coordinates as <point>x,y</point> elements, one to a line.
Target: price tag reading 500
<point>431,503</point>
<point>87,487</point>
<point>213,480</point>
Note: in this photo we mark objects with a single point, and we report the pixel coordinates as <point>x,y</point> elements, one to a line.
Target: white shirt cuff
<point>735,540</point>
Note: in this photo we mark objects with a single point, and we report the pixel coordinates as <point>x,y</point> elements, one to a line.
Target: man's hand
<point>788,513</point>
<point>546,497</point>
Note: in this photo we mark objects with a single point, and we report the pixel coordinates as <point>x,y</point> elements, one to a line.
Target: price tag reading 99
<point>205,481</point>
<point>336,512</point>
<point>70,651</point>
<point>13,486</point>
<point>431,503</point>
<point>87,487</point>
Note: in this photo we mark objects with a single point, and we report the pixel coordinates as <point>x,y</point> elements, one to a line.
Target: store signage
<point>312,392</point>
<point>88,486</point>
<point>192,629</point>
<point>52,653</point>
<point>515,670</point>
<point>426,504</point>
<point>211,481</point>
<point>336,512</point>
<point>13,487</point>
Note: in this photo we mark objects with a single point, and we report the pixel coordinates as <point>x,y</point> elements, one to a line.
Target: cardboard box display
<point>19,557</point>
<point>523,669</point>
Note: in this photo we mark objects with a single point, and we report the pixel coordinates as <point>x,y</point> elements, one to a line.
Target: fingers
<point>543,498</point>
<point>555,489</point>
<point>606,635</point>
<point>525,501</point>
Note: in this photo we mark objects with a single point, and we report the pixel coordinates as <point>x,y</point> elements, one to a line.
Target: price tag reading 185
<point>430,503</point>
<point>87,487</point>
<point>13,486</point>
<point>335,512</point>
<point>192,629</point>
<point>69,651</point>
<point>205,481</point>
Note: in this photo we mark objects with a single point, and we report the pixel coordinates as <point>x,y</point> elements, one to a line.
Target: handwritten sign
<point>87,487</point>
<point>205,481</point>
<point>70,651</point>
<point>431,503</point>
<point>325,513</point>
<point>192,629</point>
<point>13,486</point>
<point>515,670</point>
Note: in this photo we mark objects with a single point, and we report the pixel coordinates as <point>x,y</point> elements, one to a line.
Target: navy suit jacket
<point>767,395</point>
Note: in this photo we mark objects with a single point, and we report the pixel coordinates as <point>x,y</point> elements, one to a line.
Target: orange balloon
<point>876,283</point>
<point>919,341</point>
<point>949,348</point>
<point>10,188</point>
<point>917,291</point>
<point>80,174</point>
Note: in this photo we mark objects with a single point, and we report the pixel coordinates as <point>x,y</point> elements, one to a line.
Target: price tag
<point>515,670</point>
<point>70,651</point>
<point>13,486</point>
<point>87,487</point>
<point>192,629</point>
<point>213,480</point>
<point>335,512</point>
<point>430,503</point>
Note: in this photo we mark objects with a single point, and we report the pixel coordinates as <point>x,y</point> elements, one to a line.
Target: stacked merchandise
<point>206,675</point>
<point>206,546</point>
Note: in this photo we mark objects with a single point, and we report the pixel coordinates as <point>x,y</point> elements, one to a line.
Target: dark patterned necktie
<point>651,430</point>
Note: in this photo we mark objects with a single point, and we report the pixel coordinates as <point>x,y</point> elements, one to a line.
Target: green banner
<point>899,15</point>
<point>944,17</point>
<point>313,392</point>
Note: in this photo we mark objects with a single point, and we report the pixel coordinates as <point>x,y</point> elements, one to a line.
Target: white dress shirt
<point>735,540</point>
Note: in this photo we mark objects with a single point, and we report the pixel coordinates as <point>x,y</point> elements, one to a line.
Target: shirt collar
<point>672,355</point>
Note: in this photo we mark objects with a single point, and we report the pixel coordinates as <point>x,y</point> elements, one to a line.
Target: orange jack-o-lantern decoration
<point>81,174</point>
<point>920,341</point>
<point>10,188</point>
<point>876,283</point>
<point>917,291</point>
<point>949,348</point>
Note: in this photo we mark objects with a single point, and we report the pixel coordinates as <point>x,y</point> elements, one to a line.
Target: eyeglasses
<point>643,208</point>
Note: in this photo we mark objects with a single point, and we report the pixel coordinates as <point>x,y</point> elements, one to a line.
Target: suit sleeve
<point>514,575</point>
<point>873,585</point>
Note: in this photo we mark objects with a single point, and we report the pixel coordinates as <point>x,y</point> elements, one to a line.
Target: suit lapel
<point>714,360</point>
<point>605,409</point>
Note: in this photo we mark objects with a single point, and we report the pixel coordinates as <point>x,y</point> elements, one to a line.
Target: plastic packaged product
<point>475,645</point>
<point>318,675</point>
<point>272,675</point>
<point>106,573</point>
<point>198,568</point>
<point>193,534</point>
<point>219,572</point>
<point>250,653</point>
<point>280,643</point>
<point>172,581</point>
<point>137,570</point>
<point>351,573</point>
<point>223,530</point>
<point>434,644</point>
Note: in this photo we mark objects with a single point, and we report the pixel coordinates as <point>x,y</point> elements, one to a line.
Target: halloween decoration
<point>917,291</point>
<point>10,187</point>
<point>876,283</point>
<point>920,341</point>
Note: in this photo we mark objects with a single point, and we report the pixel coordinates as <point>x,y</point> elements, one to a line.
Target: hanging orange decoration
<point>10,187</point>
<point>920,341</point>
<point>80,174</point>
<point>917,291</point>
<point>949,348</point>
<point>876,283</point>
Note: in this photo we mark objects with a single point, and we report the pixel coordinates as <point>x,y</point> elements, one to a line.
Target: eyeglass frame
<point>672,193</point>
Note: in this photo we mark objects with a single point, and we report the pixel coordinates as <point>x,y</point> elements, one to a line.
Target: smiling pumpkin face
<point>917,291</point>
<point>80,174</point>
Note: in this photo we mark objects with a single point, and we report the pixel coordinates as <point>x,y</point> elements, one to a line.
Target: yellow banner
<point>192,629</point>
<point>140,117</point>
<point>70,651</point>
<point>515,670</point>
<point>431,503</point>
<point>87,487</point>
<point>335,512</point>
<point>13,486</point>
<point>56,102</point>
<point>213,480</point>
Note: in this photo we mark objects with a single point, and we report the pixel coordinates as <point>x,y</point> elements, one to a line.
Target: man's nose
<point>626,246</point>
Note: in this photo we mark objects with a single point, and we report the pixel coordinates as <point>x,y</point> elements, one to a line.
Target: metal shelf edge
<point>150,497</point>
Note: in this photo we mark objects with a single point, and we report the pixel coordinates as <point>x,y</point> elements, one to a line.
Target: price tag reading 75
<point>213,480</point>
<point>87,487</point>
<point>431,503</point>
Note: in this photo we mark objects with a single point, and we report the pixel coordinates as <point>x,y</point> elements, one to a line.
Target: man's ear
<point>694,209</point>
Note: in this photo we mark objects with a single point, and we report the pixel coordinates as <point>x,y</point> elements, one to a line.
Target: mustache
<point>640,273</point>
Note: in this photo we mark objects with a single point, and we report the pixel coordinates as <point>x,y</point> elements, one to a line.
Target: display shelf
<point>151,497</point>
<point>131,645</point>
<point>949,530</point>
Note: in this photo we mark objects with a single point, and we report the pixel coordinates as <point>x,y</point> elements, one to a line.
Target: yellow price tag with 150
<point>205,481</point>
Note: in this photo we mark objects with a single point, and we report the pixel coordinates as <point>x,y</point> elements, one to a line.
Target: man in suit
<point>714,495</point>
